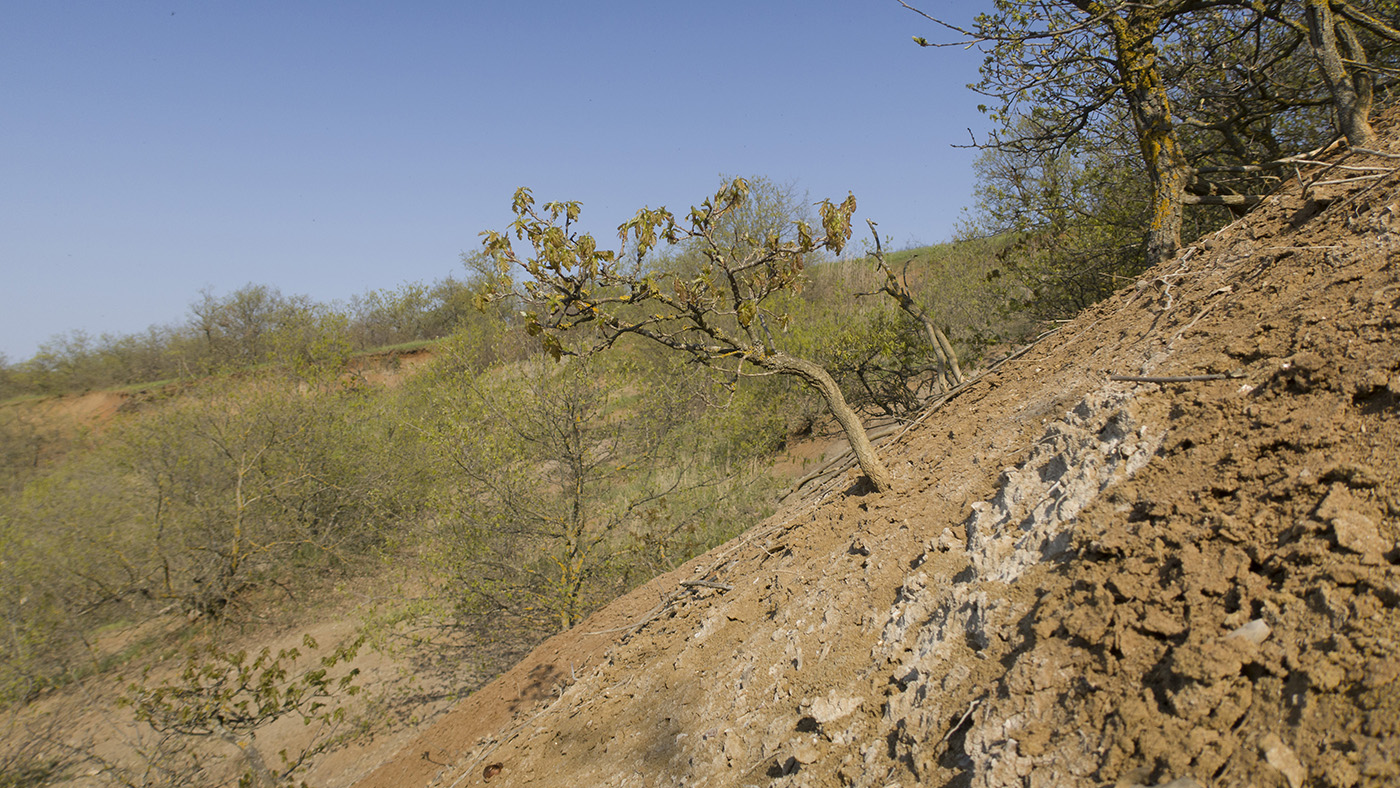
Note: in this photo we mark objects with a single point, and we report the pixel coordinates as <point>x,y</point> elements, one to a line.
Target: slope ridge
<point>1082,581</point>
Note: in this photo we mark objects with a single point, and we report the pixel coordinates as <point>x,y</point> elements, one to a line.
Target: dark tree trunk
<point>1136,46</point>
<point>1351,95</point>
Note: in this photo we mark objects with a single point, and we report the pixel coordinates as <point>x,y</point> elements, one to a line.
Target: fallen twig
<point>706,584</point>
<point>1380,153</point>
<point>1348,167</point>
<point>961,720</point>
<point>647,618</point>
<point>1176,378</point>
<point>666,601</point>
<point>1352,179</point>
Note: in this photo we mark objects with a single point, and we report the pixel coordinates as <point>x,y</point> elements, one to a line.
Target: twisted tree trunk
<point>818,378</point>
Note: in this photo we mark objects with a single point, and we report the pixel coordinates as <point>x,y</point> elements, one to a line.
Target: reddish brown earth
<point>1082,581</point>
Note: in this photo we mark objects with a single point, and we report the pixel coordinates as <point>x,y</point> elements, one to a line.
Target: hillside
<point>1083,580</point>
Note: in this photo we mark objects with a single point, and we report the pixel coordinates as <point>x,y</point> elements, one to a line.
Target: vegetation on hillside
<point>526,487</point>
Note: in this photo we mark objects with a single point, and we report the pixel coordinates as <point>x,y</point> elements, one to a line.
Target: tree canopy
<point>723,315</point>
<point>1211,94</point>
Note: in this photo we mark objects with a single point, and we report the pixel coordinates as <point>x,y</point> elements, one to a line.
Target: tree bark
<point>1350,96</point>
<point>1135,45</point>
<point>818,378</point>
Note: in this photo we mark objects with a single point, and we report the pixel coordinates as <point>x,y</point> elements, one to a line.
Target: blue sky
<point>149,150</point>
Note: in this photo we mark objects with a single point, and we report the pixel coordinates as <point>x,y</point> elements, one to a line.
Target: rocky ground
<point>1085,579</point>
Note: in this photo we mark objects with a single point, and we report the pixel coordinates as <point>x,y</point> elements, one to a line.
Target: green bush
<point>566,483</point>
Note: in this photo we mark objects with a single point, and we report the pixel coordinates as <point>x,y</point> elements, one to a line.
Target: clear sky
<point>149,150</point>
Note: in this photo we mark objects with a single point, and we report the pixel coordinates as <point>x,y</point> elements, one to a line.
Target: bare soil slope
<point>1083,581</point>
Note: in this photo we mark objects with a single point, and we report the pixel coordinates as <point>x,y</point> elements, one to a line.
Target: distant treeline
<point>250,326</point>
<point>257,324</point>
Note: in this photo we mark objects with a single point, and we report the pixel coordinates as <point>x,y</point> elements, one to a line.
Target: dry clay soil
<point>1081,580</point>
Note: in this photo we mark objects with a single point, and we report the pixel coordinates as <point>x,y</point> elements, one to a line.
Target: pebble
<point>1283,759</point>
<point>1256,632</point>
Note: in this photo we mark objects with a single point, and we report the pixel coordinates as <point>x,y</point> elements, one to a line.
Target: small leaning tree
<point>722,316</point>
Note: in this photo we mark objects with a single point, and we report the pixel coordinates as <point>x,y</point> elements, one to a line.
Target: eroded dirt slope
<point>1083,581</point>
